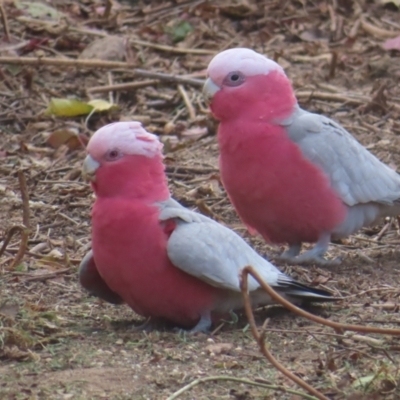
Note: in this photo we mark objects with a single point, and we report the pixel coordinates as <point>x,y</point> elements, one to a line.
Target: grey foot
<point>204,326</point>
<point>310,259</point>
<point>314,256</point>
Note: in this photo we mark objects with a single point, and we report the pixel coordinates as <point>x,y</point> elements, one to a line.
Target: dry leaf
<point>314,35</point>
<point>112,48</point>
<point>14,353</point>
<point>195,132</point>
<point>320,279</point>
<point>219,348</point>
<point>67,136</point>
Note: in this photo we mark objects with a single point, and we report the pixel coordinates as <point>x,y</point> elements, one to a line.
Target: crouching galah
<point>292,176</point>
<point>162,259</point>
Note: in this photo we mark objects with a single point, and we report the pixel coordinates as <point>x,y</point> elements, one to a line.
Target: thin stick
<point>64,62</point>
<point>24,229</point>
<point>291,307</point>
<point>186,100</point>
<point>377,32</point>
<point>4,20</point>
<point>107,11</point>
<point>25,199</point>
<point>11,232</point>
<point>173,49</point>
<point>241,380</point>
<point>110,83</point>
<point>43,277</point>
<point>309,94</point>
<point>379,236</point>
<point>122,86</point>
<point>357,101</point>
<point>167,77</point>
<point>260,339</point>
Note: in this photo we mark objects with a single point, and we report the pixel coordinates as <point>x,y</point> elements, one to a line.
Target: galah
<point>292,176</point>
<point>161,259</point>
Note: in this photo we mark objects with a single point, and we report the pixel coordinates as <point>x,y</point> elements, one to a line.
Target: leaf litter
<point>57,342</point>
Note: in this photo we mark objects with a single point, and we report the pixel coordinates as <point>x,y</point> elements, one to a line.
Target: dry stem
<point>4,20</point>
<point>172,49</point>
<point>260,338</point>
<point>63,62</point>
<point>188,103</point>
<point>240,380</point>
<point>291,307</point>
<point>122,86</point>
<point>24,229</point>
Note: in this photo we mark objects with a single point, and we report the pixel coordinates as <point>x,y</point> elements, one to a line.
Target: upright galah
<point>292,176</point>
<point>148,251</point>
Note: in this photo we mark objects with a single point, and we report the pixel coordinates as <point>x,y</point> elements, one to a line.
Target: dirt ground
<point>57,342</point>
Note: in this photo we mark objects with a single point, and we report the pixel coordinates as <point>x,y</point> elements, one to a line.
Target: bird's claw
<point>308,259</point>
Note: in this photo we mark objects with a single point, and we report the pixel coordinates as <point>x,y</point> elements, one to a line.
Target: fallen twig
<point>260,338</point>
<point>357,100</point>
<point>122,86</point>
<point>241,380</point>
<point>310,94</point>
<point>377,32</point>
<point>24,229</point>
<point>319,320</point>
<point>60,62</point>
<point>172,49</point>
<point>4,20</point>
<point>11,232</point>
<point>188,103</point>
<point>44,277</point>
<point>25,199</point>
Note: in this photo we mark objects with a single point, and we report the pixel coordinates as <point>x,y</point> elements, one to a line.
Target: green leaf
<point>68,108</point>
<point>38,10</point>
<point>179,31</point>
<point>102,105</point>
<point>365,380</point>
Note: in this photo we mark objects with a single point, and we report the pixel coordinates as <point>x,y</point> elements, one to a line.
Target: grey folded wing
<point>211,252</point>
<point>355,173</point>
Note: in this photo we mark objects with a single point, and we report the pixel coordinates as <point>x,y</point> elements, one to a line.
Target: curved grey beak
<point>89,168</point>
<point>209,89</point>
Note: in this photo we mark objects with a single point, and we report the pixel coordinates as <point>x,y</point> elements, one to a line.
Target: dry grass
<point>56,342</point>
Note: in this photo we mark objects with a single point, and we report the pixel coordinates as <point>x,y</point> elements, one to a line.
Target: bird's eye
<point>234,78</point>
<point>113,155</point>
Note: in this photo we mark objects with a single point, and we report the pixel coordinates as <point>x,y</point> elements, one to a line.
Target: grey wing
<point>355,173</point>
<point>211,252</point>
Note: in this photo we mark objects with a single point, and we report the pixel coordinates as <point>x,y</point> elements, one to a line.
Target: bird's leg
<point>314,255</point>
<point>204,325</point>
<point>291,252</point>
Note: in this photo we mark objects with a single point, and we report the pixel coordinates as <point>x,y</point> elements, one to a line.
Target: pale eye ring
<point>234,78</point>
<point>113,154</point>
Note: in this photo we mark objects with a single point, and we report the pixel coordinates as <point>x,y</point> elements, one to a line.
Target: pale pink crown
<point>129,137</point>
<point>241,59</point>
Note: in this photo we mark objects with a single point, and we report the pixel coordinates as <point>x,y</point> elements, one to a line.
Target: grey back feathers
<point>355,173</point>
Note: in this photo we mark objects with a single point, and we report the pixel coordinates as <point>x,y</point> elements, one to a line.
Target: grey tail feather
<point>296,289</point>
